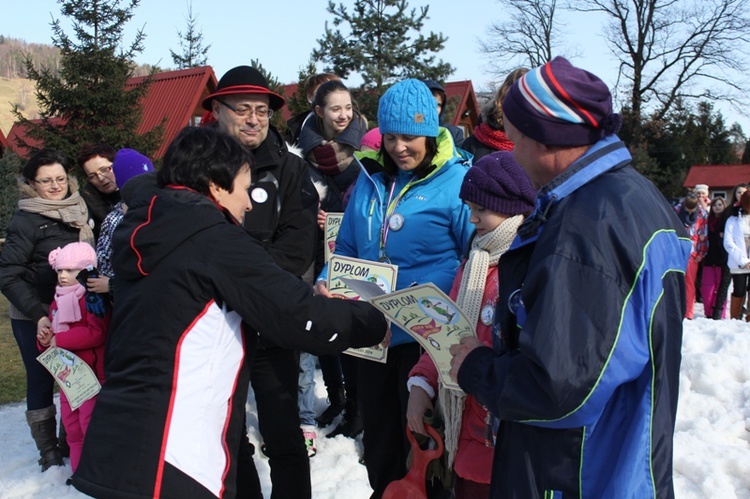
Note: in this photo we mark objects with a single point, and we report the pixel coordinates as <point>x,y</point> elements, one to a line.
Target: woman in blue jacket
<point>409,215</point>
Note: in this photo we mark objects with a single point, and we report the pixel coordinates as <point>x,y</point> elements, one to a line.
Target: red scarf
<point>495,139</point>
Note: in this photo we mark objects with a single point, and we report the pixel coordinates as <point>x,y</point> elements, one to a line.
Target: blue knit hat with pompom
<point>408,108</point>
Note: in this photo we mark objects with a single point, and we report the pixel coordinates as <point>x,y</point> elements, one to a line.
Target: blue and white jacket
<point>436,228</point>
<point>592,297</point>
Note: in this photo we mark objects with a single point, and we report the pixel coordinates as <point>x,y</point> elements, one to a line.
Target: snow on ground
<point>711,453</point>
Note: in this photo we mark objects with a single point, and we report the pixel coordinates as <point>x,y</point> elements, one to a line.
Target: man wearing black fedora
<point>283,218</point>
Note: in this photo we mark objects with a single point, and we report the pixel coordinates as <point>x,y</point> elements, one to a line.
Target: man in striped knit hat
<point>584,375</point>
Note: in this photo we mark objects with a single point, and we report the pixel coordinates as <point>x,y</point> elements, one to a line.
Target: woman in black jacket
<point>195,292</point>
<point>51,214</point>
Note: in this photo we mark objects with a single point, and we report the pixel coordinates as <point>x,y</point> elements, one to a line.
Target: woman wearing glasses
<point>51,214</point>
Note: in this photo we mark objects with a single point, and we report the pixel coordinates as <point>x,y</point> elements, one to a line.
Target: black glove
<point>96,304</point>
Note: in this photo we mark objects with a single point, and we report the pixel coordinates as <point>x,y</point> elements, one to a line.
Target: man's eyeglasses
<point>47,182</point>
<point>101,172</point>
<point>244,112</point>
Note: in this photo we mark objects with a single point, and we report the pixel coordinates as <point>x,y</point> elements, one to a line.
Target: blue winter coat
<point>436,229</point>
<point>592,296</point>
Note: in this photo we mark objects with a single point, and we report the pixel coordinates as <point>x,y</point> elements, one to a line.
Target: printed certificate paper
<point>433,319</point>
<point>330,232</point>
<point>384,275</point>
<point>75,378</point>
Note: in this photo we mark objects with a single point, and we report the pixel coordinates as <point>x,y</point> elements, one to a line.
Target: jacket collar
<point>605,155</point>
<point>270,152</point>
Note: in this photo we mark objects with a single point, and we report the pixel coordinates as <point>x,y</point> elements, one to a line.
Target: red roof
<point>17,131</point>
<point>723,177</point>
<point>464,90</point>
<point>174,95</point>
<point>289,91</point>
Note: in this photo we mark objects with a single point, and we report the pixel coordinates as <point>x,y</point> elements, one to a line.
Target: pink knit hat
<point>372,139</point>
<point>73,256</point>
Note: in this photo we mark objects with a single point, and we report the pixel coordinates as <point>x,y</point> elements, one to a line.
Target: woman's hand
<point>419,402</point>
<point>321,219</point>
<point>320,288</point>
<point>98,284</point>
<point>45,337</point>
<point>43,326</point>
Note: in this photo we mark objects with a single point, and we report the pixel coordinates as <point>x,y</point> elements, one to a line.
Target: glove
<point>95,303</point>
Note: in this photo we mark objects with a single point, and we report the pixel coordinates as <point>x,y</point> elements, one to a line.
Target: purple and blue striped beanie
<point>559,104</point>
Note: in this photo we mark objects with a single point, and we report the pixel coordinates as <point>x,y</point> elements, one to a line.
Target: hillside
<point>16,91</point>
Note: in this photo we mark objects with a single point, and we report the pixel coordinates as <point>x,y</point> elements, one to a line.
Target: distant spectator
<point>715,262</point>
<point>441,100</point>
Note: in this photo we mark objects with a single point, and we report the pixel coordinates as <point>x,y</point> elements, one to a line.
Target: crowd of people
<point>184,287</point>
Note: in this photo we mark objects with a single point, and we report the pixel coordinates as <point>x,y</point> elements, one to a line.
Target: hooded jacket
<point>592,296</point>
<point>191,286</point>
<point>436,228</point>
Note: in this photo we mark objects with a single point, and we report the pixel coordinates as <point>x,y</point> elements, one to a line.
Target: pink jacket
<point>474,457</point>
<point>85,338</point>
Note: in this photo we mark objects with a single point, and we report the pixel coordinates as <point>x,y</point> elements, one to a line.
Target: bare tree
<point>675,49</point>
<point>527,37</point>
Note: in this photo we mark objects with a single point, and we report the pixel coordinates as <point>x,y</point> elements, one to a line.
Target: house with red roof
<point>174,97</point>
<point>720,179</point>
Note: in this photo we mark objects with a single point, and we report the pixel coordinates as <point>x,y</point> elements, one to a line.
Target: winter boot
<point>43,425</point>
<point>351,425</point>
<point>735,307</point>
<point>336,399</point>
<point>62,441</point>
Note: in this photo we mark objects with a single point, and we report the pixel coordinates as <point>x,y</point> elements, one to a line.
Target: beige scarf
<point>485,253</point>
<point>71,211</point>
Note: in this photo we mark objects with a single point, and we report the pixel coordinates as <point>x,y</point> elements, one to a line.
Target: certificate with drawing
<point>430,317</point>
<point>75,378</point>
<point>340,269</point>
<point>330,231</point>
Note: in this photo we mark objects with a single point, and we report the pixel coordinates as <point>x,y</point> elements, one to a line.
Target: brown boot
<point>735,307</point>
<point>43,425</point>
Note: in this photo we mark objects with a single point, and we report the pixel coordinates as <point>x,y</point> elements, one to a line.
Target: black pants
<point>333,367</point>
<point>383,398</point>
<point>274,376</point>
<point>39,382</point>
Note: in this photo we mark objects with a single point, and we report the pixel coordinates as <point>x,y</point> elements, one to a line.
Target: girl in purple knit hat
<point>500,195</point>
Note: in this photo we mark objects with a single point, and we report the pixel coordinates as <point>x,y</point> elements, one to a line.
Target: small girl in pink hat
<point>77,330</point>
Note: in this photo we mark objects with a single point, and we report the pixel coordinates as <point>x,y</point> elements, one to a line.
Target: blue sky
<point>282,33</point>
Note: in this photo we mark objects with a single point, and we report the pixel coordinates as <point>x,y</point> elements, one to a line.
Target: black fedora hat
<point>244,80</point>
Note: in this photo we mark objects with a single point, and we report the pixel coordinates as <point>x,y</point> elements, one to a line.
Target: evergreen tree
<point>297,103</point>
<point>746,154</point>
<point>383,43</point>
<point>10,171</point>
<point>87,102</point>
<point>194,54</point>
<point>275,86</point>
<point>683,138</point>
